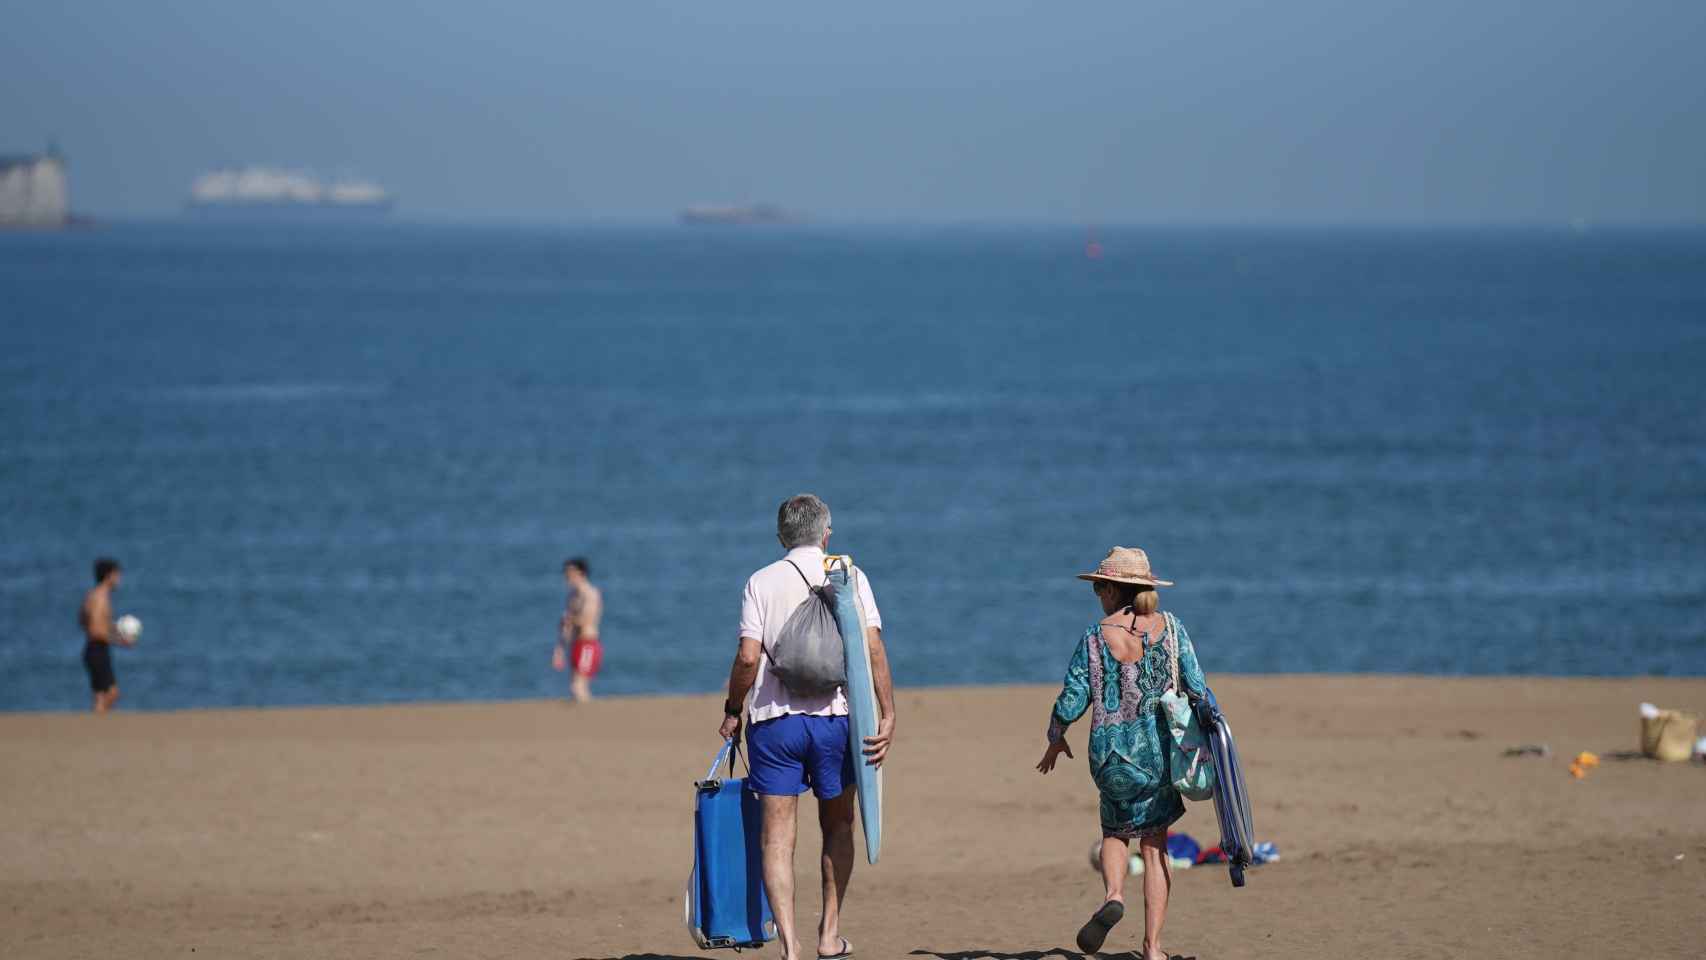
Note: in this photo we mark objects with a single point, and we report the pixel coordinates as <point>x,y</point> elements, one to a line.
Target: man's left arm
<point>741,676</point>
<point>877,747</point>
<point>745,669</point>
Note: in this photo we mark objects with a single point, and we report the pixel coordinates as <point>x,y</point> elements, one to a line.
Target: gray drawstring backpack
<point>807,655</point>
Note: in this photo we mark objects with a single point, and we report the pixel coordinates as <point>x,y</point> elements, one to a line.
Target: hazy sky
<point>1306,110</point>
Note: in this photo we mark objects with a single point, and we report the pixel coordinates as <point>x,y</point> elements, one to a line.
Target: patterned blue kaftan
<point>1129,740</point>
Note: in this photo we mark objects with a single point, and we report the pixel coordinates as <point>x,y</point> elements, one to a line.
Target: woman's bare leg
<point>1157,884</point>
<point>1115,857</point>
<point>1116,862</point>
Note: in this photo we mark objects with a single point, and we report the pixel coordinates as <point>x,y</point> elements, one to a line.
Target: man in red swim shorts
<point>578,649</point>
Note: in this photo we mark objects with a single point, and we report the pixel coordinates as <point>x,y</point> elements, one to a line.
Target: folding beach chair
<point>725,905</point>
<point>1231,803</point>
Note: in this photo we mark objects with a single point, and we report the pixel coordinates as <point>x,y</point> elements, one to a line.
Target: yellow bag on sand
<point>1669,735</point>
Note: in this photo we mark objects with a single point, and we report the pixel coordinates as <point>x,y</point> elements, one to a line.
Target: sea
<point>344,465</point>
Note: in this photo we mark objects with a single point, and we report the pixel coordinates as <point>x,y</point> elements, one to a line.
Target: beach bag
<point>1190,765</point>
<point>1668,734</point>
<point>725,905</point>
<point>808,655</point>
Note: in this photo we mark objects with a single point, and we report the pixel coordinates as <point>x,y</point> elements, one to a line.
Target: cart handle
<point>717,761</point>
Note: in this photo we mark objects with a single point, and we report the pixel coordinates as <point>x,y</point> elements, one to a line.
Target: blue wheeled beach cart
<point>1231,802</point>
<point>725,905</point>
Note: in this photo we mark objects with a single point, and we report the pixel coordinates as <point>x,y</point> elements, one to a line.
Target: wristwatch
<point>730,710</point>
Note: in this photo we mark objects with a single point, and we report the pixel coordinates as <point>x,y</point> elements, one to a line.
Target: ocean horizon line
<point>830,223</point>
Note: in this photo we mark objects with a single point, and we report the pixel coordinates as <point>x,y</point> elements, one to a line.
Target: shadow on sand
<point>1030,955</point>
<point>997,955</point>
<point>946,955</point>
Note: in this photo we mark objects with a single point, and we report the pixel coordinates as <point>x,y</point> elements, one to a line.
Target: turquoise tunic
<point>1129,741</point>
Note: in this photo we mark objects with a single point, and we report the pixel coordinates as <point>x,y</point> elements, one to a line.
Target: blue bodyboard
<point>725,904</point>
<point>1231,801</point>
<point>862,709</point>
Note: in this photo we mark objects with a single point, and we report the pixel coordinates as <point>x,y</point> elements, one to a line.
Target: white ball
<point>128,627</point>
<point>1134,865</point>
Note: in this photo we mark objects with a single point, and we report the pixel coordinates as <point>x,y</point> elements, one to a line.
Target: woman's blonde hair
<point>1141,598</point>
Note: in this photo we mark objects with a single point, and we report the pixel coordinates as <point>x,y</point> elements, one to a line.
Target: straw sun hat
<point>1126,565</point>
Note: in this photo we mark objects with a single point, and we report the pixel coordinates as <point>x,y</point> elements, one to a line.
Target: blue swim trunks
<point>792,753</point>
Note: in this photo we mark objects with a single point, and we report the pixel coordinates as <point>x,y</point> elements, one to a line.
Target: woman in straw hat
<point>1118,672</point>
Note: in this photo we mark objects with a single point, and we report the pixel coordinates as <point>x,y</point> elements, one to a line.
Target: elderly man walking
<point>799,742</point>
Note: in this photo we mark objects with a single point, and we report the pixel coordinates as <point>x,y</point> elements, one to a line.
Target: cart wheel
<point>687,915</point>
<point>1237,875</point>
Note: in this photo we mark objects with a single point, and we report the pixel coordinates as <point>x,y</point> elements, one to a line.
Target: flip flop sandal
<point>1091,935</point>
<point>845,954</point>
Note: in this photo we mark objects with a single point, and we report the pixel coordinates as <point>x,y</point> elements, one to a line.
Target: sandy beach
<point>538,829</point>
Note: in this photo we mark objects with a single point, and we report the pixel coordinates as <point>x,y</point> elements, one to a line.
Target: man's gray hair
<point>803,521</point>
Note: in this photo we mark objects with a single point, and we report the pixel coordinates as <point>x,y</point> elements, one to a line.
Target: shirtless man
<point>96,619</point>
<point>578,648</point>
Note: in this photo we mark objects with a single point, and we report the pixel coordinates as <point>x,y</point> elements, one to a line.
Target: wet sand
<point>538,829</point>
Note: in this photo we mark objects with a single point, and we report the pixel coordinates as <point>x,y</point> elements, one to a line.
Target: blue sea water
<point>344,465</point>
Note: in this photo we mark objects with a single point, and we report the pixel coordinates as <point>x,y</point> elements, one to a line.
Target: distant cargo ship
<point>758,213</point>
<point>271,194</point>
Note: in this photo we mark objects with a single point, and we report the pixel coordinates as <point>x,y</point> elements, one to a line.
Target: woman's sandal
<point>845,954</point>
<point>1091,935</point>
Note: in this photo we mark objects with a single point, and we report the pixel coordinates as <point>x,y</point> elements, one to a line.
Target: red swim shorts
<point>586,655</point>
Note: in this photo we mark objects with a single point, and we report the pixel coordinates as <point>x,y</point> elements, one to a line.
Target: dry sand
<point>544,830</point>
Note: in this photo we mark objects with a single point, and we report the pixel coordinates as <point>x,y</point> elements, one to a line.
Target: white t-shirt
<point>771,596</point>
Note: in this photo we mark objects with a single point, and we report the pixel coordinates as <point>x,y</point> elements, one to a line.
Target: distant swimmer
<point>578,648</point>
<point>96,619</point>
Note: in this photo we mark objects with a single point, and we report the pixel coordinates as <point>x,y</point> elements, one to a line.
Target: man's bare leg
<point>1157,884</point>
<point>779,828</point>
<point>105,699</point>
<point>1116,863</point>
<point>835,819</point>
<point>580,688</point>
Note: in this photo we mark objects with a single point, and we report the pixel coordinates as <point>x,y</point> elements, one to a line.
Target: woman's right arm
<point>1074,699</point>
<point>1074,696</point>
